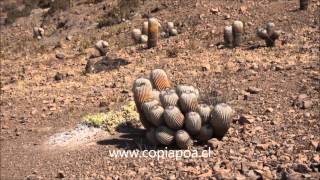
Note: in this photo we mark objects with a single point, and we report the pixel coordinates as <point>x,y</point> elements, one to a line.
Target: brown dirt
<point>280,142</point>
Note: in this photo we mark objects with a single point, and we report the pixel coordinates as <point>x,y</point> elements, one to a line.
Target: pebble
<point>60,56</point>
<point>246,119</point>
<point>60,175</point>
<point>253,90</point>
<point>307,104</point>
<point>59,76</point>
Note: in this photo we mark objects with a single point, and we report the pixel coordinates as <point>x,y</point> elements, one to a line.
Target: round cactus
<point>183,139</point>
<point>151,136</point>
<point>141,81</point>
<point>237,30</point>
<point>193,123</point>
<point>143,38</point>
<point>184,88</point>
<point>160,79</point>
<point>169,97</point>
<point>136,35</point>
<point>173,117</point>
<point>188,102</point>
<point>155,115</point>
<point>142,93</point>
<point>204,112</point>
<point>173,32</point>
<point>146,106</point>
<point>227,35</point>
<point>165,135</point>
<point>205,133</point>
<point>220,119</point>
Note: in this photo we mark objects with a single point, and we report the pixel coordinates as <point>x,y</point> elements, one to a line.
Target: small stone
<point>262,146</point>
<point>246,119</point>
<point>59,76</point>
<point>69,38</point>
<point>214,10</point>
<point>179,164</point>
<point>279,68</point>
<point>307,115</point>
<point>253,90</point>
<point>5,127</point>
<point>227,16</point>
<point>307,104</point>
<point>205,67</point>
<point>172,177</point>
<point>214,143</point>
<point>302,168</point>
<point>60,56</point>
<point>269,110</point>
<point>103,104</point>
<point>60,175</point>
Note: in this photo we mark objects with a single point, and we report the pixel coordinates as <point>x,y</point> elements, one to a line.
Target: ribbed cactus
<point>183,139</point>
<point>155,115</point>
<point>270,35</point>
<point>220,119</point>
<point>304,4</point>
<point>165,135</point>
<point>160,79</point>
<point>146,107</point>
<point>237,31</point>
<point>173,117</point>
<point>188,102</point>
<point>184,88</point>
<point>204,111</point>
<point>205,133</point>
<point>142,91</point>
<point>169,97</point>
<point>193,123</point>
<point>151,136</point>
<point>153,32</point>
<point>145,28</point>
<point>228,37</point>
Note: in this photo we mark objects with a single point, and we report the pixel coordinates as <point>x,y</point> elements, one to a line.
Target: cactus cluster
<point>174,115</point>
<point>233,34</point>
<point>149,33</point>
<point>269,34</point>
<point>170,30</point>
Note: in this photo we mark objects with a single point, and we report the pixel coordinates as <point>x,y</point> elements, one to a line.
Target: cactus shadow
<point>128,138</point>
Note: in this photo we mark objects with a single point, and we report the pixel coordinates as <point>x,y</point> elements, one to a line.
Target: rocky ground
<point>275,91</point>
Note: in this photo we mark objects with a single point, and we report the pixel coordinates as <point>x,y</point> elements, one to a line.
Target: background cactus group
<point>233,34</point>
<point>150,32</point>
<point>174,115</point>
<point>269,34</point>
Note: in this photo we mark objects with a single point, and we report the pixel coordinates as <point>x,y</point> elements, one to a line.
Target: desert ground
<point>46,92</point>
